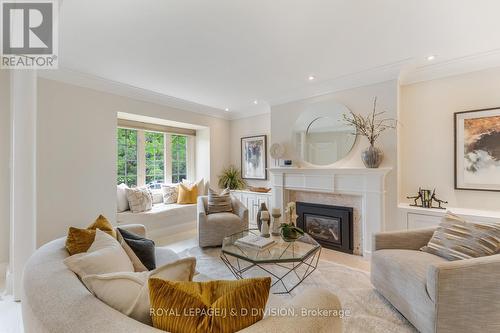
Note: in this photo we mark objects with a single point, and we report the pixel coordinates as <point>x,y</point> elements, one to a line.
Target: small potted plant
<point>231,178</point>
<point>370,127</point>
<point>290,233</point>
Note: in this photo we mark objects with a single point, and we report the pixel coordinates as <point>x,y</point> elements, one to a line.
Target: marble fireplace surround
<point>360,188</point>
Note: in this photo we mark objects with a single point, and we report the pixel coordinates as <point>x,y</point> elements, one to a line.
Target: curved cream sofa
<point>55,301</point>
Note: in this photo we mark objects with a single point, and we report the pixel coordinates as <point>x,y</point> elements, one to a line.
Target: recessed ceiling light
<point>311,77</point>
<point>256,102</point>
<point>226,109</point>
<point>431,57</point>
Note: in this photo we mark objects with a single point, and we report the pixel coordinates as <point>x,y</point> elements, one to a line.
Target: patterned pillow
<point>170,193</point>
<point>218,203</point>
<point>457,239</point>
<point>139,199</point>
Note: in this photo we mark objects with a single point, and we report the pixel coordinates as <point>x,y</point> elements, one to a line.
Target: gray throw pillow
<point>219,203</point>
<point>143,248</point>
<point>456,239</point>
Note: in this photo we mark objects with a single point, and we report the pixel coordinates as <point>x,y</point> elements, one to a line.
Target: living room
<point>319,166</point>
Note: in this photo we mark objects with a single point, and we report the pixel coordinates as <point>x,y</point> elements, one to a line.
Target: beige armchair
<point>212,228</point>
<point>434,294</point>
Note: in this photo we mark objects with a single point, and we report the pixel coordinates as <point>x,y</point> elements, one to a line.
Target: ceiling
<point>227,54</point>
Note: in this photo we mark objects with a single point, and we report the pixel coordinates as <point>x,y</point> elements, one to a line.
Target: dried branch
<point>370,126</point>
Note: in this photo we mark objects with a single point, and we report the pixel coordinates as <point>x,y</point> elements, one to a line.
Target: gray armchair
<point>212,228</point>
<point>434,294</point>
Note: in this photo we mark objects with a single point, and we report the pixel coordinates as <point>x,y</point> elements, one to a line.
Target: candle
<point>276,211</point>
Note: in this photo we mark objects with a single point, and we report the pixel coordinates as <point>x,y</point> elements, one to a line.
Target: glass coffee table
<point>288,263</point>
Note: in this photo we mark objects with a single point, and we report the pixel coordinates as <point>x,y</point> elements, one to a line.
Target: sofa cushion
<point>223,218</point>
<point>105,255</point>
<point>80,240</point>
<point>140,250</point>
<point>128,292</point>
<point>401,277</point>
<point>219,203</point>
<point>456,239</point>
<point>212,307</point>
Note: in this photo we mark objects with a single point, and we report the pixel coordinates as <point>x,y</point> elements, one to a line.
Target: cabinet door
<point>419,221</point>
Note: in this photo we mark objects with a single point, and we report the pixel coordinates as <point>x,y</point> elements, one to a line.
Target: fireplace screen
<point>323,228</point>
<point>331,226</point>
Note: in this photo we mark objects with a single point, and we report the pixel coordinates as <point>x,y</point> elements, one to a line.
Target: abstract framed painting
<point>254,157</point>
<point>477,150</point>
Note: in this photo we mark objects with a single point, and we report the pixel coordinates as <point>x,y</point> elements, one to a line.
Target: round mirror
<point>320,135</point>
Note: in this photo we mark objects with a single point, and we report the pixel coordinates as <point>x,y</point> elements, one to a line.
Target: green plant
<point>290,232</point>
<point>231,178</point>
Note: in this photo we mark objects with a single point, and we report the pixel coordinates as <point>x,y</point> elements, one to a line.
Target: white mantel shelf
<point>368,184</point>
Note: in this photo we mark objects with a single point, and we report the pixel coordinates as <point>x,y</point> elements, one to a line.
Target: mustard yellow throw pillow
<point>207,307</point>
<point>79,240</point>
<point>187,194</point>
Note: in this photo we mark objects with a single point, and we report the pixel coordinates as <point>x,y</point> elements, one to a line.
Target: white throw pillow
<point>121,198</point>
<point>105,255</point>
<point>139,199</point>
<point>128,292</point>
<point>170,193</point>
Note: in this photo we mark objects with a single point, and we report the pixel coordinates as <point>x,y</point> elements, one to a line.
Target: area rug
<point>369,311</point>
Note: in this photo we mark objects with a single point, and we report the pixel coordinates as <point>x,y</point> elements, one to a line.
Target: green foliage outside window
<point>155,158</point>
<point>127,157</point>
<point>179,158</point>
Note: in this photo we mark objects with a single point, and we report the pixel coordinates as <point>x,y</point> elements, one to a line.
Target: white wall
<point>77,152</point>
<point>427,138</point>
<point>4,165</point>
<point>359,100</point>
<point>256,125</point>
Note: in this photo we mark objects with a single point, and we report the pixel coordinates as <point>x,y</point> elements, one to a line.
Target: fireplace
<point>331,226</point>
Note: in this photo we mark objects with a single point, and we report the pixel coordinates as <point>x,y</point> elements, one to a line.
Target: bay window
<point>150,158</point>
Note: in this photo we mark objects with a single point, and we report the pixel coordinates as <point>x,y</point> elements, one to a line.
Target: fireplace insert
<point>331,226</point>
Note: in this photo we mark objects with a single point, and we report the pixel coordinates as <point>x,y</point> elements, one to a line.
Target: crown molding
<point>94,82</point>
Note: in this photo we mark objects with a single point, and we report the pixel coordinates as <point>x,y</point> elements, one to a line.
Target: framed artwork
<point>254,157</point>
<point>477,150</point>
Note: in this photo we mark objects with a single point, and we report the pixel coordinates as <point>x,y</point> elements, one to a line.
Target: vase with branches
<point>231,178</point>
<point>370,126</point>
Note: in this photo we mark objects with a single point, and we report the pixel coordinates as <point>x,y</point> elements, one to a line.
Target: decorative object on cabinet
<point>263,208</point>
<point>371,127</point>
<point>276,214</point>
<point>426,199</point>
<point>291,213</point>
<point>290,233</point>
<point>277,151</point>
<point>231,178</point>
<point>254,157</point>
<point>264,224</point>
<point>477,150</point>
<point>288,163</point>
<point>259,189</point>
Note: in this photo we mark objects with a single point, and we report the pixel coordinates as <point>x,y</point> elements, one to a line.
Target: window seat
<point>163,220</point>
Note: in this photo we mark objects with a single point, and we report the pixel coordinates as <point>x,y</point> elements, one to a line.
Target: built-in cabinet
<point>418,217</point>
<point>252,200</point>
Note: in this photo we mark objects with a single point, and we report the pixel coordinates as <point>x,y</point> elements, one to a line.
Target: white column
<point>22,175</point>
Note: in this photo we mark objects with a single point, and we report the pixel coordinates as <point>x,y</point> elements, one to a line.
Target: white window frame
<point>141,156</point>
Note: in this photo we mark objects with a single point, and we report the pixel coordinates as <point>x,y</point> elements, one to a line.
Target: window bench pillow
<point>456,239</point>
<point>139,199</point>
<point>187,194</point>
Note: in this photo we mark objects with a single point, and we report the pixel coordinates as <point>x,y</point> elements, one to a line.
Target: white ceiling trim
<point>80,79</point>
<point>405,70</point>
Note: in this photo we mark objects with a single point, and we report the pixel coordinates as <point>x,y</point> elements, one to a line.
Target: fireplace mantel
<point>368,184</point>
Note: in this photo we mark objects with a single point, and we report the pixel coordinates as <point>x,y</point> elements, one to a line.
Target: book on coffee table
<point>256,242</point>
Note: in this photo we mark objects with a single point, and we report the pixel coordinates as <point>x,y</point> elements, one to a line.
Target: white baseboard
<point>3,270</point>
